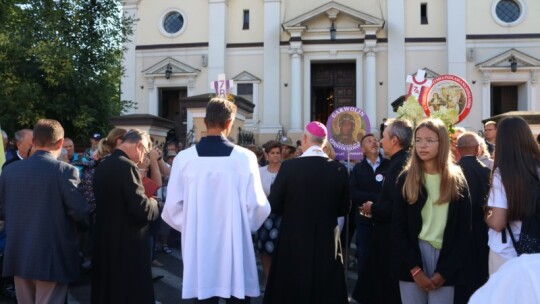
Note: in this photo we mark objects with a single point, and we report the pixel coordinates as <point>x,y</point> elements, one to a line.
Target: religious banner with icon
<point>449,98</point>
<point>346,127</point>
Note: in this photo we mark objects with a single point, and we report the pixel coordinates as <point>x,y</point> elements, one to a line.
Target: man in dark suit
<point>121,270</point>
<point>40,202</point>
<point>365,184</point>
<point>310,192</point>
<point>396,140</point>
<point>477,176</point>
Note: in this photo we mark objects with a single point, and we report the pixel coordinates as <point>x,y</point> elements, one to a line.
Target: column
<point>395,24</point>
<point>486,96</point>
<point>296,89</point>
<point>370,101</point>
<point>456,43</point>
<point>533,102</point>
<point>217,33</point>
<point>152,97</point>
<point>129,60</point>
<point>370,94</point>
<point>296,77</point>
<point>271,63</point>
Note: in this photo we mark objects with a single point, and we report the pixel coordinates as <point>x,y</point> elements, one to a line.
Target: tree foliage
<point>61,59</point>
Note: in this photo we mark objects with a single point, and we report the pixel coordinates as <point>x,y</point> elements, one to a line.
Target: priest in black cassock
<point>477,175</point>
<point>310,192</point>
<point>121,271</point>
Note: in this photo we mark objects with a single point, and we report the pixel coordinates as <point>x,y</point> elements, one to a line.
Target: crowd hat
<point>287,142</point>
<point>96,136</point>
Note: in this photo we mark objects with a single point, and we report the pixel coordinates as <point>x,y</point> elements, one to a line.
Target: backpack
<point>529,237</point>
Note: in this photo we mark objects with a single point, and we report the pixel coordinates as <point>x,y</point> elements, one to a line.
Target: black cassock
<point>310,193</point>
<point>121,271</point>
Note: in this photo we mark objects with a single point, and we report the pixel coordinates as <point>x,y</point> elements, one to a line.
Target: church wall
<point>251,61</point>
<point>480,19</point>
<point>235,33</point>
<point>383,100</point>
<point>195,19</point>
<point>436,15</point>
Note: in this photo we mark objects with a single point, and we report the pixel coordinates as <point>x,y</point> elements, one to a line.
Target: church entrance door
<point>169,108</point>
<point>333,85</point>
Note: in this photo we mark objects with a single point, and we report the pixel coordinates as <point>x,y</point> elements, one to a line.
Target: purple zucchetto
<point>316,128</point>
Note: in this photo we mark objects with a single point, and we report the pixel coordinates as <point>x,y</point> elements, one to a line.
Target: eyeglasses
<point>429,141</point>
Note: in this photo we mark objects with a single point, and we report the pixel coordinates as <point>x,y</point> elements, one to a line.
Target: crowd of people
<point>435,215</point>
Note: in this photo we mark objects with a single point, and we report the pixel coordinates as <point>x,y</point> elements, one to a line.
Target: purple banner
<point>346,127</point>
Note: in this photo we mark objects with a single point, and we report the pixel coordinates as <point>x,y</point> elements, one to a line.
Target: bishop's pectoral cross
<point>222,86</point>
<point>418,83</point>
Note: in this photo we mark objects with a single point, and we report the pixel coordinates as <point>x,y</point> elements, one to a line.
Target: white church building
<point>298,60</point>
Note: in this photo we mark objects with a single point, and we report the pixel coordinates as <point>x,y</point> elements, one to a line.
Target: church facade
<point>297,61</point>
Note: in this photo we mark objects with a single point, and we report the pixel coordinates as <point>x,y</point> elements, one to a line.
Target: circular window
<point>508,12</point>
<point>172,23</point>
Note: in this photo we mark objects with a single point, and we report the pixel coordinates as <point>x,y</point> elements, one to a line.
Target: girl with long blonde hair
<point>432,219</point>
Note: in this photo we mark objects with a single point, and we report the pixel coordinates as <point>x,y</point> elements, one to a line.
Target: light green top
<point>434,215</point>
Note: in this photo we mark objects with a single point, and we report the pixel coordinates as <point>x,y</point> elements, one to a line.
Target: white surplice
<point>216,202</point>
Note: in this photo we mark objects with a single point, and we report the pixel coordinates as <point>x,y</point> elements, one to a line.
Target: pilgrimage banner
<point>346,127</point>
<point>447,94</point>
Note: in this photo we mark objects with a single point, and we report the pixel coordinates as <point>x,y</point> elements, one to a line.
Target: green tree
<point>61,59</point>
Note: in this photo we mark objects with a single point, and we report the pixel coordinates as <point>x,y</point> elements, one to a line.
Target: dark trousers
<point>363,289</point>
<point>364,238</point>
<point>215,300</point>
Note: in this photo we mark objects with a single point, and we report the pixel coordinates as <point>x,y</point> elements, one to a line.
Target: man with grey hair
<point>477,176</point>
<point>121,270</point>
<point>490,133</point>
<point>396,141</point>
<point>310,192</point>
<point>23,142</point>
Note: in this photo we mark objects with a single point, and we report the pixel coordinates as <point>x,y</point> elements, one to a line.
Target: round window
<point>172,22</point>
<point>508,12</point>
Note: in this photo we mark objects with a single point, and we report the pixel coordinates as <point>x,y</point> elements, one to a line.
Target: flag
<point>2,152</point>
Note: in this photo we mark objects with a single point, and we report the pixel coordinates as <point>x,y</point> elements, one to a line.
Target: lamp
<point>332,32</point>
<point>513,64</point>
<point>168,71</point>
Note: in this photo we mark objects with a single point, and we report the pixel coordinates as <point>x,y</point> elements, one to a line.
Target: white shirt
<point>497,198</point>
<point>375,165</point>
<point>216,202</point>
<point>267,179</point>
<point>517,281</point>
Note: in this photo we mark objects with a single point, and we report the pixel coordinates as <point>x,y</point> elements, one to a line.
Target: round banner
<point>447,93</point>
<point>346,127</point>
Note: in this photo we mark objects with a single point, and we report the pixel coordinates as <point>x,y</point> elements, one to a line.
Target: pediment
<point>178,68</point>
<point>502,61</point>
<point>246,77</point>
<point>331,10</point>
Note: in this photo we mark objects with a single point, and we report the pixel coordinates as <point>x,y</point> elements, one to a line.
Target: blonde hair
<point>329,150</point>
<point>452,178</point>
<point>107,145</point>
